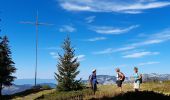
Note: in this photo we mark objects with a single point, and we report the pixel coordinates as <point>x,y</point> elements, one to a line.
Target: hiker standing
<point>137,79</point>
<point>120,78</point>
<point>93,81</point>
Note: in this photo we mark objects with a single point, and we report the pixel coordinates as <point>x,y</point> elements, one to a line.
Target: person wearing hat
<point>93,81</point>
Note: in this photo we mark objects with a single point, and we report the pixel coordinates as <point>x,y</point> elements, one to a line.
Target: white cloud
<point>148,63</point>
<point>132,12</point>
<point>113,30</point>
<point>80,57</point>
<point>111,50</point>
<point>90,19</point>
<point>160,37</point>
<point>140,54</point>
<point>119,6</point>
<point>156,38</point>
<point>124,48</point>
<point>75,7</point>
<point>67,28</point>
<point>106,51</point>
<point>54,55</point>
<point>96,39</point>
<point>139,6</point>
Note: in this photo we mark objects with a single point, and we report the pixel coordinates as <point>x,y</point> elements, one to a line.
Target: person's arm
<point>140,76</point>
<point>96,80</point>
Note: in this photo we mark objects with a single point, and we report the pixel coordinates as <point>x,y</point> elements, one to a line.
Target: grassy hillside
<point>154,90</point>
<point>30,94</point>
<point>148,90</point>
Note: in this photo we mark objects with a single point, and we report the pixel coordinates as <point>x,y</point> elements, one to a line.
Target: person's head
<point>135,69</point>
<point>94,71</point>
<point>117,70</point>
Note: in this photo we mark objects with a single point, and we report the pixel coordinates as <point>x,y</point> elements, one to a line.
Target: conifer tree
<point>67,69</point>
<point>7,67</point>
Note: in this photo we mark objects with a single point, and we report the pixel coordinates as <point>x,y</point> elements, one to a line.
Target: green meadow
<point>156,89</point>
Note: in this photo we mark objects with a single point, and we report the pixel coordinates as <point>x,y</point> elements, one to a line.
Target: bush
<point>46,87</point>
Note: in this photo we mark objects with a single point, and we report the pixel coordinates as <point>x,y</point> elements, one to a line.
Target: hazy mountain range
<point>24,84</point>
<point>106,79</point>
<point>20,85</point>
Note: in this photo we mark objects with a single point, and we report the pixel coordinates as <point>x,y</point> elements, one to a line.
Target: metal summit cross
<point>36,23</point>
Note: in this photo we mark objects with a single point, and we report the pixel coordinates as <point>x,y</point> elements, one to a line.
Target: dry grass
<point>160,87</point>
<point>103,91</point>
<point>112,90</point>
<point>109,91</point>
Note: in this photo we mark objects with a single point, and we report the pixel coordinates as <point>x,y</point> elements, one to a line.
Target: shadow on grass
<point>21,94</point>
<point>143,95</point>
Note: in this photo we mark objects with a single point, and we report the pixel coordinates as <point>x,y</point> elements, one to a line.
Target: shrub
<point>46,87</point>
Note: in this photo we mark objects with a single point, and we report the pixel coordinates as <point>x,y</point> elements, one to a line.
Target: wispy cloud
<point>112,30</point>
<point>119,6</point>
<point>156,38</point>
<point>96,39</point>
<point>140,54</point>
<point>90,19</point>
<point>124,48</point>
<point>74,7</point>
<point>148,63</point>
<point>80,57</point>
<point>112,50</point>
<point>106,51</point>
<point>54,55</point>
<point>67,28</point>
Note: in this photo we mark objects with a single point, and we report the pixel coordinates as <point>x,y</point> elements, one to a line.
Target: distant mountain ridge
<point>156,77</point>
<point>15,89</point>
<point>107,79</point>
<point>24,84</point>
<point>19,88</point>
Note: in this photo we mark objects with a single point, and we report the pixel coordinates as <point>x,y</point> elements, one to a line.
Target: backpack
<point>140,80</point>
<point>123,78</point>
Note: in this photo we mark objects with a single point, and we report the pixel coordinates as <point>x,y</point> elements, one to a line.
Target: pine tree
<point>7,67</point>
<point>67,69</point>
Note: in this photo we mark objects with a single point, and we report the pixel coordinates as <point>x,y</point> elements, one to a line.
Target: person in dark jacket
<point>93,81</point>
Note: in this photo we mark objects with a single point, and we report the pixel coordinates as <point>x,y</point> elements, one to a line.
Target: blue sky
<point>106,34</point>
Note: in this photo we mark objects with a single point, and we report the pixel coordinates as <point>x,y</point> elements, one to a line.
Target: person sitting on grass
<point>137,79</point>
<point>93,81</point>
<point>120,78</point>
